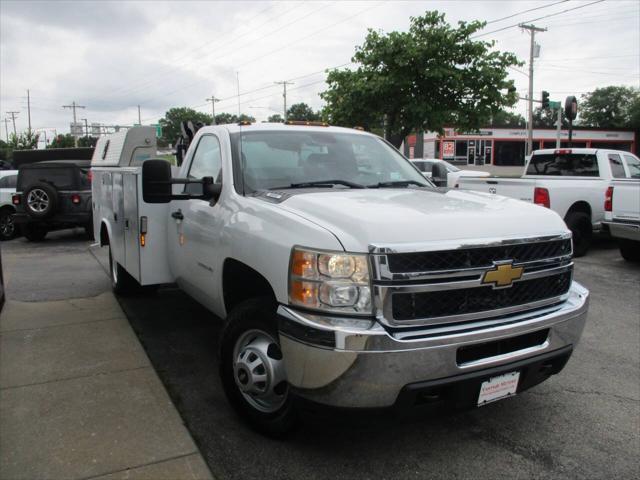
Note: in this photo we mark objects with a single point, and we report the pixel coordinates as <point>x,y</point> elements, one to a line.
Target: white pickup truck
<point>570,181</point>
<point>622,215</point>
<point>343,276</point>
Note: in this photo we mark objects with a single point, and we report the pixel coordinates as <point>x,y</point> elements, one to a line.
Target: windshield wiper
<point>398,183</point>
<point>322,184</point>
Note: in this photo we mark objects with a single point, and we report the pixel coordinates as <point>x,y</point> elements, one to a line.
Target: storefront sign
<point>448,149</point>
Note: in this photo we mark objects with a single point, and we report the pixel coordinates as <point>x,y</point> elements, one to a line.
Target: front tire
<point>252,368</point>
<point>582,231</point>
<point>629,250</point>
<point>7,226</point>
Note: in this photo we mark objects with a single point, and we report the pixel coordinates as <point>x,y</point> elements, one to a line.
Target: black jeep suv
<point>53,195</point>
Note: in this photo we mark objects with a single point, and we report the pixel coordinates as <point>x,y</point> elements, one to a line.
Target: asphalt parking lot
<point>584,422</point>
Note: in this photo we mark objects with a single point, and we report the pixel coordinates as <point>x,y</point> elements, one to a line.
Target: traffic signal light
<point>545,99</point>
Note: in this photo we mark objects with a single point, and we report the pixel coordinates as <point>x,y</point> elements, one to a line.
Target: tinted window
<point>617,169</point>
<point>62,178</point>
<point>572,164</point>
<point>633,164</point>
<point>207,162</point>
<point>9,181</point>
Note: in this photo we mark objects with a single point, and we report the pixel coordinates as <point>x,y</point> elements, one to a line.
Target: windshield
<point>280,159</point>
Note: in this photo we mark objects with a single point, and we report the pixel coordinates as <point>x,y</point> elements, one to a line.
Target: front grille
<point>422,305</point>
<point>476,257</point>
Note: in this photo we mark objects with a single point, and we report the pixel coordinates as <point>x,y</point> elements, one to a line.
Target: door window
<point>617,169</point>
<point>633,164</point>
<point>207,162</point>
<point>9,181</point>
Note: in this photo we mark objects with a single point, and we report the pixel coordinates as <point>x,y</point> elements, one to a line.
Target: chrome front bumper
<point>358,363</point>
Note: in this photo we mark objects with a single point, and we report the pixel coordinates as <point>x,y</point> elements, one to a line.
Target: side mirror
<point>439,175</point>
<point>156,181</point>
<point>211,191</point>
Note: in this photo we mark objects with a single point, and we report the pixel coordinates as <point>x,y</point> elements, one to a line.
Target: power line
<point>218,47</point>
<point>525,11</point>
<point>536,19</point>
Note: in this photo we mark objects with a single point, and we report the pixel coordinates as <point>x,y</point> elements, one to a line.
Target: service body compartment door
<point>116,240</point>
<point>131,225</point>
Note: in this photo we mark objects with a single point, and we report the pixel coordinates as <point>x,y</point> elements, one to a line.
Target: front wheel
<point>252,368</point>
<point>7,227</point>
<point>629,250</point>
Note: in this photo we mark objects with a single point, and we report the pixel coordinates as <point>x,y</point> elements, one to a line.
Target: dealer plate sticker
<point>498,387</point>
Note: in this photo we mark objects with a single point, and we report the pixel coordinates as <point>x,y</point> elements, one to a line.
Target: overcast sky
<point>112,56</point>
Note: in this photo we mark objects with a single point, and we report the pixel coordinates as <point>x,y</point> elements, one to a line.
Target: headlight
<point>338,282</point>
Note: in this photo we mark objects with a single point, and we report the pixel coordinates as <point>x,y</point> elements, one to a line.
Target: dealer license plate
<point>498,387</point>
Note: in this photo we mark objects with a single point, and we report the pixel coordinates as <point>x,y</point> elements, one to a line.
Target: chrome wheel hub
<point>38,200</point>
<point>259,371</point>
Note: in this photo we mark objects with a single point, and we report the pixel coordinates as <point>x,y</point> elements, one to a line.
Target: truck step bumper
<point>356,363</point>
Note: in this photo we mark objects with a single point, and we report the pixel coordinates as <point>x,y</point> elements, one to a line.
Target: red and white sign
<point>448,149</point>
<point>498,387</point>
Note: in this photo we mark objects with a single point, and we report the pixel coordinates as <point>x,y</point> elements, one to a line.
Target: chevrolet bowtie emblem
<point>502,275</point>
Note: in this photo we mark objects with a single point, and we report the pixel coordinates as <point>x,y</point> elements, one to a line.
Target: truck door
<point>131,227</point>
<point>196,227</point>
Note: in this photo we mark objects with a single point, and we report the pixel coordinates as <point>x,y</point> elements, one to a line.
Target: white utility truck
<point>570,181</point>
<point>622,215</point>
<point>343,276</point>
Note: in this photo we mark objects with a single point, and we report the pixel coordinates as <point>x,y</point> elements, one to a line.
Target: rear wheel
<point>252,368</point>
<point>580,225</point>
<point>7,227</point>
<point>629,249</point>
<point>34,232</point>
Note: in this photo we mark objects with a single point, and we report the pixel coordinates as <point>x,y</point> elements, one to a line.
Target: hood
<point>410,219</point>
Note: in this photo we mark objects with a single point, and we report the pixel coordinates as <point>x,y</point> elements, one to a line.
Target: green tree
<point>226,118</point>
<point>277,118</point>
<point>546,118</point>
<point>172,119</point>
<point>423,79</point>
<point>87,141</point>
<point>24,141</point>
<point>611,107</point>
<point>507,119</point>
<point>303,112</point>
<point>62,141</point>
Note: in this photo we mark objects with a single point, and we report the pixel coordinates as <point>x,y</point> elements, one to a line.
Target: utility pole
<point>532,32</point>
<point>6,128</point>
<point>86,127</point>
<point>13,119</point>
<point>213,101</point>
<point>284,84</point>
<point>139,116</point>
<point>73,107</point>
<point>29,109</point>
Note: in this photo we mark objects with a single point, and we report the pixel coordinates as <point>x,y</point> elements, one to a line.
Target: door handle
<point>177,215</point>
